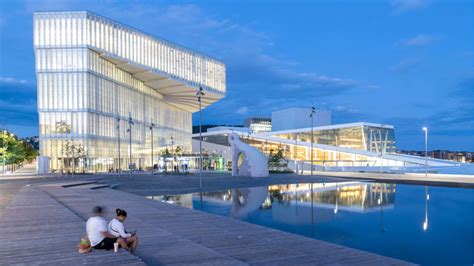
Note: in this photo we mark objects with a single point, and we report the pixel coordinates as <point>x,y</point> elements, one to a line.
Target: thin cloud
<point>10,80</point>
<point>401,6</point>
<point>406,65</point>
<point>419,40</point>
<point>242,110</point>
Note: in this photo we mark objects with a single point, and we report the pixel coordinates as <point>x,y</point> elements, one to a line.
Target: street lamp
<point>119,168</point>
<point>313,111</point>
<point>200,94</point>
<point>296,153</point>
<point>67,158</point>
<point>129,130</point>
<point>151,129</point>
<point>382,147</point>
<point>172,154</point>
<point>425,129</point>
<point>73,159</point>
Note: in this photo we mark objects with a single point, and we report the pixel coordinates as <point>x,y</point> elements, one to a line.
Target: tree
<point>178,150</point>
<point>15,151</point>
<point>166,153</point>
<point>275,159</point>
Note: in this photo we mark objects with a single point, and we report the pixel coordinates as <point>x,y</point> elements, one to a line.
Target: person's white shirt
<point>116,228</point>
<point>95,228</point>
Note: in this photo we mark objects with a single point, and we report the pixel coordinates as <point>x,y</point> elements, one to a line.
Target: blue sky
<point>408,63</point>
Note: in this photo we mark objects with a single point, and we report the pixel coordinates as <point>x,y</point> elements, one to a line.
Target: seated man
<point>96,228</point>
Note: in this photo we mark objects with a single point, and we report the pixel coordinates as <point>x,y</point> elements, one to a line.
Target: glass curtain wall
<point>367,138</point>
<point>85,101</point>
<point>298,152</point>
<point>123,42</point>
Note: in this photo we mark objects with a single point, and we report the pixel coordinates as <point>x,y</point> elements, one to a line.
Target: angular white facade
<point>298,117</point>
<point>95,74</point>
<point>358,146</point>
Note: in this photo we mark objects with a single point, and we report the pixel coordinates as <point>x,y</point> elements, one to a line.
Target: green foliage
<point>275,158</point>
<point>166,153</point>
<point>14,150</point>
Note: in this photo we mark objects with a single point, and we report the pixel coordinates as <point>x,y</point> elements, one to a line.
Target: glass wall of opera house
<point>96,78</point>
<point>354,146</point>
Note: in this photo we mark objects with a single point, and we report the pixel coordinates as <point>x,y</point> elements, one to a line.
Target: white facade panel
<point>294,118</point>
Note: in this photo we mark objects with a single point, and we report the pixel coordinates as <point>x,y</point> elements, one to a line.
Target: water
<point>425,225</point>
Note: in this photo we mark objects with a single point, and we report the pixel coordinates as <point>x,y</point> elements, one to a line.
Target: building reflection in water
<point>291,203</point>
<point>184,200</point>
<point>336,197</point>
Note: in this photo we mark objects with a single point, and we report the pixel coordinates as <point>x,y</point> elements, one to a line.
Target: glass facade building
<point>354,144</point>
<point>364,137</point>
<point>258,124</point>
<point>94,75</point>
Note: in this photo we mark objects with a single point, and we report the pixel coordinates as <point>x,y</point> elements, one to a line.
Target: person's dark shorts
<point>106,243</point>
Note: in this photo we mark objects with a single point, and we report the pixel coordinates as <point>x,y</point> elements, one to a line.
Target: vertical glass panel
<point>35,31</point>
<point>62,27</point>
<point>67,31</point>
<point>73,34</point>
<point>49,30</point>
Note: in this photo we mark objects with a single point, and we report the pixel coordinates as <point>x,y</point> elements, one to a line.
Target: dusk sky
<point>408,63</point>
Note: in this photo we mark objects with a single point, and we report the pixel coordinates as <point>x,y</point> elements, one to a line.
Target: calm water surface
<point>426,225</point>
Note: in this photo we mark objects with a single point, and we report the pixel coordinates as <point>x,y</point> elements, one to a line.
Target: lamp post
<point>312,210</point>
<point>172,154</point>
<point>313,111</point>
<point>200,94</point>
<point>67,158</point>
<point>130,124</point>
<point>296,153</point>
<point>73,159</point>
<point>152,125</point>
<point>381,151</point>
<point>119,168</point>
<point>425,129</point>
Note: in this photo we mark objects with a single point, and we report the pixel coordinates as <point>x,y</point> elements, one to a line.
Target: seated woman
<point>98,234</point>
<point>117,229</point>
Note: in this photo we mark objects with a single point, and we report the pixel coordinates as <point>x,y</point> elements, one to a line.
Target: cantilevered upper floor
<point>172,70</point>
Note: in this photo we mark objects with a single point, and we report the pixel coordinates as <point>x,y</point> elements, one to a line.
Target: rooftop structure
<point>258,124</point>
<point>298,117</point>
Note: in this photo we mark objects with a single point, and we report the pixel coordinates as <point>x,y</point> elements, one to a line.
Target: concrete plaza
<point>43,222</point>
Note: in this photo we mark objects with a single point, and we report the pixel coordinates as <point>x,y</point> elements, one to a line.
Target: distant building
<point>459,156</point>
<point>299,117</point>
<point>358,145</point>
<point>258,124</point>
